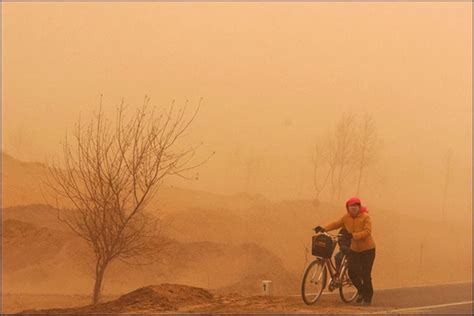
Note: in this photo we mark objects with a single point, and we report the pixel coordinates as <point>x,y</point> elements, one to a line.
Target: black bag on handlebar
<point>323,246</point>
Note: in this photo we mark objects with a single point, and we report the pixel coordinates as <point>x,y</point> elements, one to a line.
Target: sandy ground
<point>166,298</point>
<point>229,304</point>
<point>179,298</point>
<point>14,303</point>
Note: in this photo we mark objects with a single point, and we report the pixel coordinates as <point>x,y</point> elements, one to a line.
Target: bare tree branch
<point>109,174</point>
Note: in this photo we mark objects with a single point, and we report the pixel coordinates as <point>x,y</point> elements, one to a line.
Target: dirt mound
<point>174,295</point>
<point>153,298</point>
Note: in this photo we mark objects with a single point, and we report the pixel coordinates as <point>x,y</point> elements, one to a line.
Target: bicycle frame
<point>338,278</point>
<point>334,272</point>
<point>331,267</point>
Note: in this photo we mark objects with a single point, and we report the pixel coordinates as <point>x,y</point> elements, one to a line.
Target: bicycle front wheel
<point>347,291</point>
<point>314,281</point>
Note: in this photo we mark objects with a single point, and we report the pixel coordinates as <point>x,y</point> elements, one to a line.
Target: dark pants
<point>360,269</point>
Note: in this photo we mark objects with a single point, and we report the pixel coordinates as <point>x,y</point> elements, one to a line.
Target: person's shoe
<point>366,303</point>
<point>359,298</point>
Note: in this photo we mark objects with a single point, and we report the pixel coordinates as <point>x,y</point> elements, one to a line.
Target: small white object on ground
<point>267,288</point>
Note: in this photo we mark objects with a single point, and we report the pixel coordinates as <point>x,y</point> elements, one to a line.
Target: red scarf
<point>356,200</point>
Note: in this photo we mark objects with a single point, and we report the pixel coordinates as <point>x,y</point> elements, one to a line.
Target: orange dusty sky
<point>273,76</point>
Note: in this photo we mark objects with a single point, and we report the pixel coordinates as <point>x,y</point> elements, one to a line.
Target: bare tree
<point>109,174</point>
<point>350,147</point>
<point>334,157</point>
<point>321,169</point>
<point>343,152</point>
<point>365,149</point>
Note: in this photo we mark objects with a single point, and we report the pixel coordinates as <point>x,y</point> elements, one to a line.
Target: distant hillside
<point>23,184</point>
<point>43,260</point>
<point>37,214</point>
<point>434,250</point>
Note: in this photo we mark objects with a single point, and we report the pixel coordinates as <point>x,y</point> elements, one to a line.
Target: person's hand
<point>318,229</point>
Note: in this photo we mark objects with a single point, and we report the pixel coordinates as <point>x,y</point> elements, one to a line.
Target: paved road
<point>461,308</point>
<point>439,299</point>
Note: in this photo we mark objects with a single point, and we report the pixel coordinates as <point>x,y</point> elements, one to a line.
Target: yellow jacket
<point>360,227</point>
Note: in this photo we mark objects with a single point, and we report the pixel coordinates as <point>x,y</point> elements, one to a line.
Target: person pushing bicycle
<point>361,257</point>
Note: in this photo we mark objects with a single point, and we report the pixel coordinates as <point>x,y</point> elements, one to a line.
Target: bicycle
<point>315,274</point>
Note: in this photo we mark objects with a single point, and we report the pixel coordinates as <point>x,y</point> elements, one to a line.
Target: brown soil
<point>181,298</point>
<point>154,298</point>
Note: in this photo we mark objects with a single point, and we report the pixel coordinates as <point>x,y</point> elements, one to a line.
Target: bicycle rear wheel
<point>314,281</point>
<point>347,290</point>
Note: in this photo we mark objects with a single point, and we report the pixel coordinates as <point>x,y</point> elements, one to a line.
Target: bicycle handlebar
<point>331,235</point>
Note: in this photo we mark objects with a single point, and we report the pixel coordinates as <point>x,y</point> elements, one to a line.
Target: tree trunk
<point>99,276</point>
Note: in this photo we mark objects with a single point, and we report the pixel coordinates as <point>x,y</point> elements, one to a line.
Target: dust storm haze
<point>273,78</point>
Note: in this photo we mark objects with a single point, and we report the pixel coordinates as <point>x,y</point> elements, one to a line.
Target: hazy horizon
<point>273,77</point>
